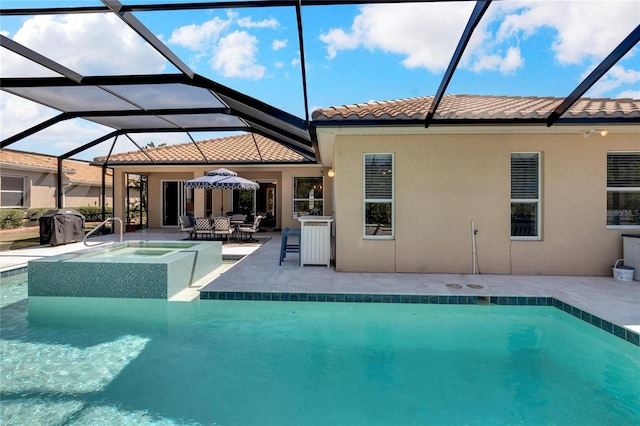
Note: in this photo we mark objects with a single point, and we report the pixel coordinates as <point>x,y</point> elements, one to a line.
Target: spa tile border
<point>12,272</point>
<point>621,332</point>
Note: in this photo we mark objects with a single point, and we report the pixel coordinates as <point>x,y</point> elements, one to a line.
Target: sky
<point>353,54</point>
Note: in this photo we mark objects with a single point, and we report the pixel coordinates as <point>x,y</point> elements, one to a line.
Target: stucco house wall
<point>444,182</point>
<point>82,183</point>
<point>85,195</point>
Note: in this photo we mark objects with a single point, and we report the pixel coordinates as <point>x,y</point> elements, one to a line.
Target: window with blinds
<point>623,189</point>
<point>378,196</point>
<point>525,195</point>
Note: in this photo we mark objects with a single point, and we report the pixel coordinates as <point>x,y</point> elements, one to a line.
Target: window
<point>307,196</point>
<point>12,192</point>
<point>623,189</point>
<point>378,196</point>
<point>525,195</point>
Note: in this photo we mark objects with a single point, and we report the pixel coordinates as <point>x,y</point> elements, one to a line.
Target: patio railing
<point>110,219</point>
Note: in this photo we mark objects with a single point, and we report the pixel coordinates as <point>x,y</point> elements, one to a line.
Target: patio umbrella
<point>221,179</point>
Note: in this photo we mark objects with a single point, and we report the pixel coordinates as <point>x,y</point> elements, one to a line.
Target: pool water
<point>133,361</point>
<point>135,252</point>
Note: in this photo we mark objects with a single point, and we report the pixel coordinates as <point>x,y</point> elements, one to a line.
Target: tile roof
<point>244,148</point>
<point>77,171</point>
<point>479,107</point>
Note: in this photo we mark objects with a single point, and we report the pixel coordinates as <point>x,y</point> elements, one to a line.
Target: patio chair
<point>202,227</point>
<point>186,226</point>
<point>248,231</point>
<point>222,226</point>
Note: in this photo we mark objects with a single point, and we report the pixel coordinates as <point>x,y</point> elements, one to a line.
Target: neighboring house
<point>290,185</point>
<point>544,200</point>
<point>29,180</point>
<point>487,188</point>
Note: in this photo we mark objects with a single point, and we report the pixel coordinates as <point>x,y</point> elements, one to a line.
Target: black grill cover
<point>61,226</point>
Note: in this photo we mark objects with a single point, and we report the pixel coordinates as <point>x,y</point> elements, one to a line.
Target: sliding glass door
<point>176,200</point>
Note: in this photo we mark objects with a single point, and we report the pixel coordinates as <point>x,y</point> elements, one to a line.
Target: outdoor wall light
<point>331,173</point>
<point>603,133</point>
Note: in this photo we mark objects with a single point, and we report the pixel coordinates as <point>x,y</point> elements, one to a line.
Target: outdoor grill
<point>61,226</point>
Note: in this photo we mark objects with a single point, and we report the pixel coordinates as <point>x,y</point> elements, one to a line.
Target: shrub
<point>15,218</point>
<point>93,214</point>
<point>32,216</point>
<point>11,218</point>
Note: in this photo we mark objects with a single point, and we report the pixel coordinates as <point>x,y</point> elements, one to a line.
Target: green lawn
<point>24,237</point>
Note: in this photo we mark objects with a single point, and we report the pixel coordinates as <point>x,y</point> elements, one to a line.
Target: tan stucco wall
<point>40,190</point>
<point>84,195</point>
<point>444,182</point>
<point>282,175</point>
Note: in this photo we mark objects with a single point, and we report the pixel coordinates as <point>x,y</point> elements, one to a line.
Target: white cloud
<point>85,43</point>
<point>235,56</point>
<point>279,44</point>
<point>336,39</point>
<point>295,62</point>
<point>615,78</point>
<point>511,61</point>
<point>426,34</point>
<point>584,30</point>
<point>265,23</point>
<point>19,114</point>
<point>633,94</point>
<point>278,64</point>
<point>200,37</point>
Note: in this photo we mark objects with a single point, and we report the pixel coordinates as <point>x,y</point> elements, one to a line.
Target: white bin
<point>622,273</point>
<point>315,240</point>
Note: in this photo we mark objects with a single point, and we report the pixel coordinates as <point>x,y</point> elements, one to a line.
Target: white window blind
<point>378,177</point>
<point>623,170</point>
<point>524,176</point>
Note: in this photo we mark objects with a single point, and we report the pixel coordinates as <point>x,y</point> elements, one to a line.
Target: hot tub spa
<point>132,269</point>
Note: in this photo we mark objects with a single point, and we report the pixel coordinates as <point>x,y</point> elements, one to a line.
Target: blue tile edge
<point>621,332</point>
<point>11,272</point>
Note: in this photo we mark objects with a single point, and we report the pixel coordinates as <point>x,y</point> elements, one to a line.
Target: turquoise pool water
<point>78,361</point>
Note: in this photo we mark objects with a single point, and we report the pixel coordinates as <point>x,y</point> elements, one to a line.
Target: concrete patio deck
<point>617,302</point>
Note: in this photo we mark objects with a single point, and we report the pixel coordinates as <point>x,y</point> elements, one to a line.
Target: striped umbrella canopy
<point>221,179</point>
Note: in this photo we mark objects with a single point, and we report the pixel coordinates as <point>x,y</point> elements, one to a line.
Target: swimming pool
<point>132,269</point>
<point>135,361</point>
